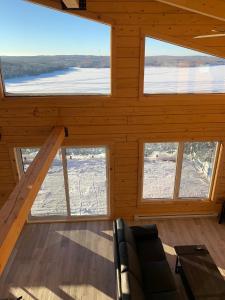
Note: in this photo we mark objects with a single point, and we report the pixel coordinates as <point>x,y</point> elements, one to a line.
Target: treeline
<point>18,66</point>
<point>203,151</point>
<point>183,61</point>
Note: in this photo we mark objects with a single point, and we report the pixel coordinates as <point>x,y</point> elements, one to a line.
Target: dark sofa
<point>142,271</point>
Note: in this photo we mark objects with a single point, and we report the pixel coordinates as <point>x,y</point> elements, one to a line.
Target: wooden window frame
<point>69,217</point>
<point>167,97</point>
<point>178,171</point>
<point>71,97</point>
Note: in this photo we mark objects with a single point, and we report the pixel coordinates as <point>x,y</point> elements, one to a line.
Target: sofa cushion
<point>124,233</point>
<point>129,260</point>
<point>157,277</point>
<point>150,250</point>
<point>130,287</point>
<point>149,232</point>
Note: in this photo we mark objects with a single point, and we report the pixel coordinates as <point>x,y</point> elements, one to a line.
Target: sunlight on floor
<point>84,238</point>
<point>33,293</point>
<point>81,290</point>
<point>169,250</point>
<point>222,271</point>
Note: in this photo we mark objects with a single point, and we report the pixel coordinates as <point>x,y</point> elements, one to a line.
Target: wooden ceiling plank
<point>14,213</point>
<point>210,8</point>
<point>82,13</point>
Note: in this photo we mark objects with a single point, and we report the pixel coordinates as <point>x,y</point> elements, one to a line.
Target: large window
<point>62,54</point>
<point>76,183</point>
<point>172,69</point>
<point>178,170</point>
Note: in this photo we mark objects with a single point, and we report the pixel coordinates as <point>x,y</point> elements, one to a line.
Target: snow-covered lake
<point>158,80</point>
<point>205,79</point>
<point>72,81</point>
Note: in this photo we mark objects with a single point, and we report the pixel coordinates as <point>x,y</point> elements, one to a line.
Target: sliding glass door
<point>76,185</point>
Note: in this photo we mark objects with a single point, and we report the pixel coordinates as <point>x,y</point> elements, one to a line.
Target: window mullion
<point>178,170</point>
<point>65,174</point>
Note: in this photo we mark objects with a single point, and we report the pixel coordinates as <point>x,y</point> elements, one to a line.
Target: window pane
<point>173,69</point>
<point>197,169</point>
<point>28,155</point>
<point>62,54</point>
<point>51,199</point>
<point>159,170</point>
<point>87,181</point>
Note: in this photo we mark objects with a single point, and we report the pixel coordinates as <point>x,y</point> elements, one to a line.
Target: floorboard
<point>75,260</point>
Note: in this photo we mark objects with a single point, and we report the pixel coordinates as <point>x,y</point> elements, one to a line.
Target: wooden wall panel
<point>7,180</point>
<point>125,118</point>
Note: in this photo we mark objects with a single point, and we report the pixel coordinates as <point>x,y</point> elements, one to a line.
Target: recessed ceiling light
<point>74,4</point>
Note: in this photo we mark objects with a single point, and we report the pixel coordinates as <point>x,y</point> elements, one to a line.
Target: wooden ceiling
<point>169,22</point>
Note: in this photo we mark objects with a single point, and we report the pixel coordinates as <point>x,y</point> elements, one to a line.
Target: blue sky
<point>29,29</point>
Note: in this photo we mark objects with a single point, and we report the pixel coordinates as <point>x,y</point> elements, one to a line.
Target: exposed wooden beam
<point>14,213</point>
<point>210,8</point>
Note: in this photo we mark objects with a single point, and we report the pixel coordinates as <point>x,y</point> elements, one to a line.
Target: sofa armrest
<point>145,232</point>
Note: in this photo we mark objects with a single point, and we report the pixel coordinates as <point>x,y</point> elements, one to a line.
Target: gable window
<point>62,55</point>
<point>169,68</point>
<point>76,184</point>
<point>178,170</point>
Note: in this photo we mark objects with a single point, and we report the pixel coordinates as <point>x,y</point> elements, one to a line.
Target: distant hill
<point>183,61</point>
<point>18,66</point>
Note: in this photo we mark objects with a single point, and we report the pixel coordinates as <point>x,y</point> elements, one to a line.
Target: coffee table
<point>199,273</point>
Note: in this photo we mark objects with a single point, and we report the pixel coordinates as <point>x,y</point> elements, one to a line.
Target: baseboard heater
<point>173,216</point>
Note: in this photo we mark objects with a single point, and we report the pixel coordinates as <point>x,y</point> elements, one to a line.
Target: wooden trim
<point>113,66</point>
<point>14,212</point>
<point>218,164</point>
<point>179,162</point>
<point>142,64</point>
<point>66,181</point>
<point>109,183</point>
<point>67,219</point>
<point>211,8</point>
<point>215,164</point>
<point>140,171</point>
<point>16,162</point>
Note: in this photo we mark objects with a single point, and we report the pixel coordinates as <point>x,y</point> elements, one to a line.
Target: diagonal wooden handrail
<point>14,213</point>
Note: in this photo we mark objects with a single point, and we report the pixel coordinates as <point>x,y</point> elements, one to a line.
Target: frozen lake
<point>72,81</point>
<point>207,79</point>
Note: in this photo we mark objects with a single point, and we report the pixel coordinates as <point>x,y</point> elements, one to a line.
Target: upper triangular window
<point>173,69</point>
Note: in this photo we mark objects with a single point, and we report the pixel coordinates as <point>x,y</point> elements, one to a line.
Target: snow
<point>159,177</point>
<point>73,81</point>
<point>87,181</point>
<point>205,79</point>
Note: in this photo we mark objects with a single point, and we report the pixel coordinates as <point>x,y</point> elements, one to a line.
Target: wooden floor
<point>75,260</point>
